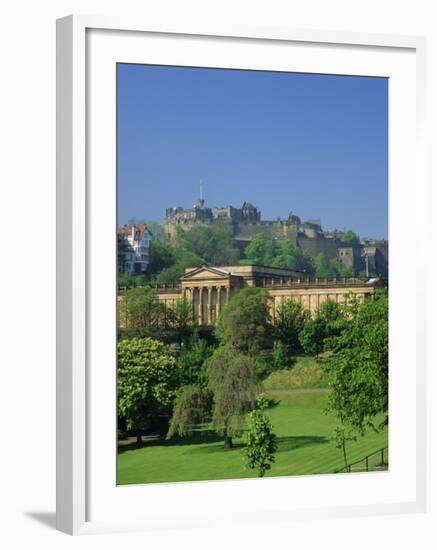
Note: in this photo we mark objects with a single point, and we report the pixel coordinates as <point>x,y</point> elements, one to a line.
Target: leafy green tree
<point>261,443</point>
<point>328,323</point>
<point>261,250</point>
<point>292,257</point>
<point>349,237</point>
<point>228,396</point>
<point>231,379</point>
<point>346,271</point>
<point>147,376</point>
<point>244,321</point>
<point>312,336</point>
<point>341,270</point>
<point>181,315</point>
<point>336,318</point>
<point>182,259</point>
<point>357,366</point>
<point>214,244</point>
<point>330,311</point>
<point>324,267</point>
<point>125,281</point>
<point>192,407</point>
<point>289,322</point>
<point>263,366</point>
<point>161,256</point>
<point>142,308</point>
<point>341,436</point>
<point>280,357</point>
<point>192,362</point>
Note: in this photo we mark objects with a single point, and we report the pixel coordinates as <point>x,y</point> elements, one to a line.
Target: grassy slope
<point>305,373</point>
<point>303,432</point>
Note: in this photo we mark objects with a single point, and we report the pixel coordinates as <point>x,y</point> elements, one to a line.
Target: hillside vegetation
<point>305,373</point>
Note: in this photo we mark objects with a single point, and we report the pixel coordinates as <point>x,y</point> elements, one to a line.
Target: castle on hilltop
<point>308,235</point>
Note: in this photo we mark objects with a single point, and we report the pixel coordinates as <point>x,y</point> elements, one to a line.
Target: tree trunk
<point>139,440</point>
<point>228,442</point>
<point>344,453</point>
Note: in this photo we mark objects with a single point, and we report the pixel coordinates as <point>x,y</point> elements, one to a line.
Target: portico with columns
<point>208,289</point>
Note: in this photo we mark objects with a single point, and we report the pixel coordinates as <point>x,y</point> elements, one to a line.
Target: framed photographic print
<point>237,336</point>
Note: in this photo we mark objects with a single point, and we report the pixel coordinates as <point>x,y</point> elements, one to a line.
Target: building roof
<point>245,271</point>
<point>139,230</point>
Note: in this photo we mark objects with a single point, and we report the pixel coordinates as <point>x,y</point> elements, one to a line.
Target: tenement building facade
<point>209,289</point>
<point>133,249</point>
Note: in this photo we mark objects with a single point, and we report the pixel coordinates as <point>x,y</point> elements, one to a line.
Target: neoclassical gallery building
<point>210,288</point>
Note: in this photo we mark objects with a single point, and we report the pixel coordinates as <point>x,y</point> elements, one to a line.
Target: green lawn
<point>303,432</point>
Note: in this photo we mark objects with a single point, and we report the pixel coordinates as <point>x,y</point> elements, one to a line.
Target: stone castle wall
<point>245,222</point>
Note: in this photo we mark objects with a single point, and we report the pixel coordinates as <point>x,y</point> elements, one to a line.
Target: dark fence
<point>376,461</point>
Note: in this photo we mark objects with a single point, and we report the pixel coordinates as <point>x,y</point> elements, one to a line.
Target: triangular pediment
<point>206,272</point>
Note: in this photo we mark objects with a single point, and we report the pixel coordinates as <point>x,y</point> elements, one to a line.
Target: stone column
<point>208,306</point>
<point>200,305</point>
<point>219,288</point>
<point>227,294</point>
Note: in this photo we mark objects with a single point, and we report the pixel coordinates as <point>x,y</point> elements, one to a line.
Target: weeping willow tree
<point>231,379</point>
<point>229,394</point>
<point>192,407</point>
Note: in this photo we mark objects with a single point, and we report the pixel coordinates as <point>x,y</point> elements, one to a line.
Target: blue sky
<point>312,144</point>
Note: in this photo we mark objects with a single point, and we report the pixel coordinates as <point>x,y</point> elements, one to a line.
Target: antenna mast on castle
<point>200,190</point>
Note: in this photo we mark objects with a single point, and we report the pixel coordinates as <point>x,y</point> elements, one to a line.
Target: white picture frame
<point>77,300</point>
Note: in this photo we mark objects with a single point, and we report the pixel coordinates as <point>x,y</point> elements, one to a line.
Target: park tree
<point>192,362</point>
<point>244,321</point>
<point>124,280</point>
<point>280,356</point>
<point>289,322</point>
<point>357,367</point>
<point>147,378</point>
<point>261,443</point>
<point>229,394</point>
<point>328,323</point>
<point>313,335</point>
<point>181,316</point>
<point>330,311</point>
<point>231,379</point>
<point>192,407</point>
<point>142,308</point>
<point>261,250</point>
<point>343,434</point>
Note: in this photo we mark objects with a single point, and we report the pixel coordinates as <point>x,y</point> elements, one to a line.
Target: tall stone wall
<point>246,222</point>
<point>313,247</point>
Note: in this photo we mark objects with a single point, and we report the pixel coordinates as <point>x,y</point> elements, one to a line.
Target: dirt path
<point>297,391</point>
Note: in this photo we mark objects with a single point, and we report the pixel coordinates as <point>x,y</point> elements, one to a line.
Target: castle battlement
<point>245,222</point>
